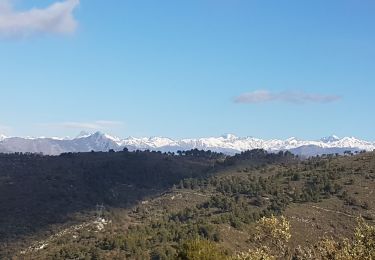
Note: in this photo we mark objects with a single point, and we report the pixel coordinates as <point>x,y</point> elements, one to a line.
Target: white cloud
<point>95,125</point>
<point>5,6</point>
<point>299,97</point>
<point>57,18</point>
<point>4,129</point>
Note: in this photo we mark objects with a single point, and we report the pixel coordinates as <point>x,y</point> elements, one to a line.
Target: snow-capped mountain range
<point>228,144</point>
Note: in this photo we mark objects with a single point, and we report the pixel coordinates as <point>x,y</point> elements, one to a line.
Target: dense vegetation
<point>166,206</point>
<point>41,190</point>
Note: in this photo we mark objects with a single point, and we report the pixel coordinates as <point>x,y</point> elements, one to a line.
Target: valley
<point>201,194</point>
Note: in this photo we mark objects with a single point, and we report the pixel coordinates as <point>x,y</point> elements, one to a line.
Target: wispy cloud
<point>57,18</point>
<point>95,125</point>
<point>4,129</point>
<point>297,97</point>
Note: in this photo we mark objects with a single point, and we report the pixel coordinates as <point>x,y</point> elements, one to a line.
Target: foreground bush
<point>272,235</point>
<point>200,249</point>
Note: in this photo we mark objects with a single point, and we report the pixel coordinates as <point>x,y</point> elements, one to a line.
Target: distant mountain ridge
<point>228,144</point>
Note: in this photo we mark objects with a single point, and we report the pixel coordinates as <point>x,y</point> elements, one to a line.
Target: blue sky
<point>270,69</point>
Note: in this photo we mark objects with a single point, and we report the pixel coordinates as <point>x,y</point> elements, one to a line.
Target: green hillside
<point>147,205</point>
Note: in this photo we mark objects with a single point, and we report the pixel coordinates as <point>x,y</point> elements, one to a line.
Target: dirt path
<point>335,211</point>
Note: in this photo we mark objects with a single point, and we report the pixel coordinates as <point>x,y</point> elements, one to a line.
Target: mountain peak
<point>98,133</point>
<point>227,143</point>
<point>83,134</point>
<point>329,139</point>
<point>229,136</point>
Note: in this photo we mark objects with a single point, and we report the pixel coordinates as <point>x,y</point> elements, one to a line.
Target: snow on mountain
<point>353,142</point>
<point>113,138</point>
<point>148,143</point>
<point>2,137</point>
<point>228,143</point>
<point>329,139</point>
<point>83,134</point>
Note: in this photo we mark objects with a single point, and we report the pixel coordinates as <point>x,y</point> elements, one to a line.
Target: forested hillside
<point>148,205</point>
